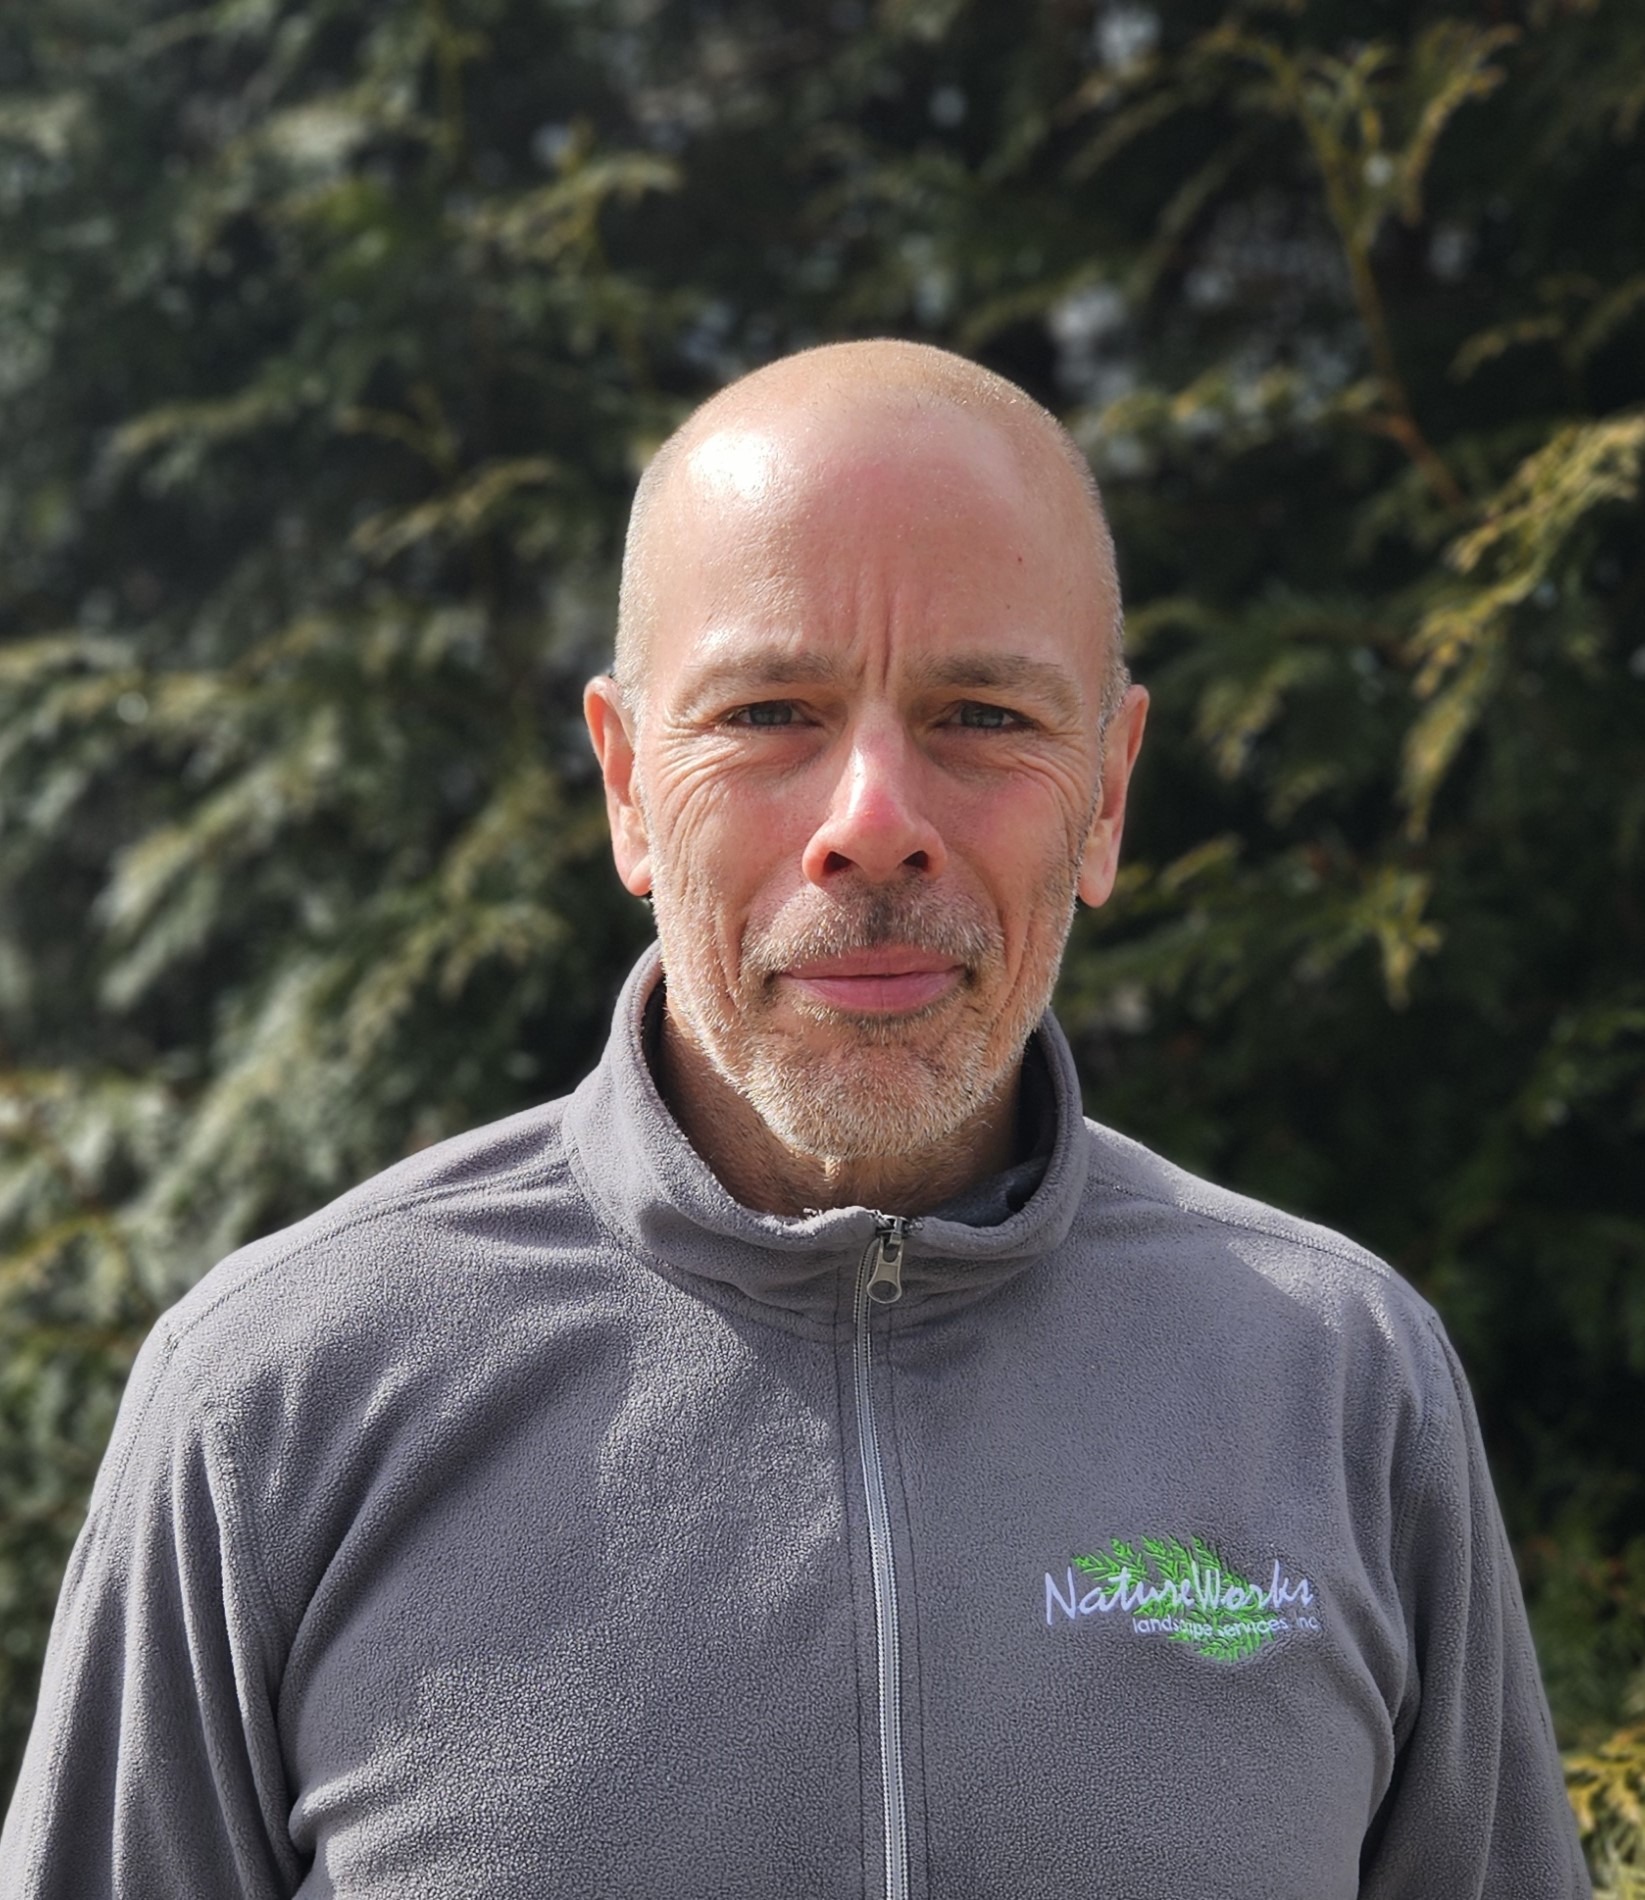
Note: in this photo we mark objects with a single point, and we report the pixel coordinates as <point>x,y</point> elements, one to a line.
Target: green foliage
<point>317,463</point>
<point>331,337</point>
<point>1607,1786</point>
<point>1377,953</point>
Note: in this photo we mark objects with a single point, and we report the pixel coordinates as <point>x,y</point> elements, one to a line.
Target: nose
<point>878,823</point>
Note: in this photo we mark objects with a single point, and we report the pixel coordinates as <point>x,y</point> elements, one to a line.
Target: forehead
<point>869,536</point>
<point>927,462</point>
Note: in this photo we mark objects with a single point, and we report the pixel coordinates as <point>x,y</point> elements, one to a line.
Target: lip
<point>886,981</point>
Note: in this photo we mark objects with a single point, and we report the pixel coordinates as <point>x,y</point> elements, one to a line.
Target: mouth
<point>887,981</point>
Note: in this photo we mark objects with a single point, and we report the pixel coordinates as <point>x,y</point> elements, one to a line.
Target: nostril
<point>837,861</point>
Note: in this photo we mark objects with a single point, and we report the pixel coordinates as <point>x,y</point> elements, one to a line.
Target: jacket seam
<point>1404,1523</point>
<point>1402,1532</point>
<point>96,1522</point>
<point>265,1604</point>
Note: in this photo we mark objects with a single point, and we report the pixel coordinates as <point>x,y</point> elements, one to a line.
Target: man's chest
<point>715,1619</point>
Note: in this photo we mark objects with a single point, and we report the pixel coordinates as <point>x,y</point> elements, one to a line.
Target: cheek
<point>693,823</point>
<point>1026,847</point>
<point>723,868</point>
<point>725,828</point>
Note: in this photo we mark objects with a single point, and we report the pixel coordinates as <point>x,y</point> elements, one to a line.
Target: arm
<point>154,1766</point>
<point>1477,1806</point>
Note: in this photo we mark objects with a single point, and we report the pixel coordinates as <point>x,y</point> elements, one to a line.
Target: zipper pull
<point>885,1253</point>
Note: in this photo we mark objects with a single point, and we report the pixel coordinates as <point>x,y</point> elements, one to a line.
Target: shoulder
<point>1258,1268</point>
<point>431,1249</point>
<point>358,1350</point>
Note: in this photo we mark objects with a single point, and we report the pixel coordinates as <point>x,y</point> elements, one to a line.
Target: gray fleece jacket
<point>538,1521</point>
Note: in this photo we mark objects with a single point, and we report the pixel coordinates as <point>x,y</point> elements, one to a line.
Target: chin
<point>872,1099</point>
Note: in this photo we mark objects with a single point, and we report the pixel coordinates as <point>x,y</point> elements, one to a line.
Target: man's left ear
<point>1100,860</point>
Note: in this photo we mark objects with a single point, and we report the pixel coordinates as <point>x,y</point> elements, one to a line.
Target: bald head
<point>788,414</point>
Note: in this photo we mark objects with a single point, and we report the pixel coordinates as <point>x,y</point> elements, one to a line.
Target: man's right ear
<point>614,748</point>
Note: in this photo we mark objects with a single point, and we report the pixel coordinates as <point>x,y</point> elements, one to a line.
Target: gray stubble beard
<point>892,1086</point>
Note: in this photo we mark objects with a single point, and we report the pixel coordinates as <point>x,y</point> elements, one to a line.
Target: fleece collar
<point>648,1183</point>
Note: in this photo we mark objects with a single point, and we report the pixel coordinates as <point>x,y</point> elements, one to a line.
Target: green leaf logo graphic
<point>1186,1593</point>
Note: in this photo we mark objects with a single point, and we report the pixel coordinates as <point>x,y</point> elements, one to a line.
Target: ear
<point>1100,860</point>
<point>614,748</point>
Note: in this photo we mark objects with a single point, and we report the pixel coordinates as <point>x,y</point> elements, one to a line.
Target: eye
<point>765,712</point>
<point>981,717</point>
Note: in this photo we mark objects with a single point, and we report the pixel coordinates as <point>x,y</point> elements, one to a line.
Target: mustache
<point>806,929</point>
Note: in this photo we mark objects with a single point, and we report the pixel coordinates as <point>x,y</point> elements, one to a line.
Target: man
<point>811,1460</point>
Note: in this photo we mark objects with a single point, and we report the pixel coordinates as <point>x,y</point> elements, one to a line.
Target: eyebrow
<point>757,669</point>
<point>1010,672</point>
<point>754,668</point>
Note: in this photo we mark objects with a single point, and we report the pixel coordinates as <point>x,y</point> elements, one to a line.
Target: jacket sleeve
<point>1477,1804</point>
<point>154,1767</point>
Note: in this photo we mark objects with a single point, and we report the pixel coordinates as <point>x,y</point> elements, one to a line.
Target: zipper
<point>884,1258</point>
<point>879,1283</point>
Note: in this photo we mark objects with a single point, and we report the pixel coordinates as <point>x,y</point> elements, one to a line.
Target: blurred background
<point>333,334</point>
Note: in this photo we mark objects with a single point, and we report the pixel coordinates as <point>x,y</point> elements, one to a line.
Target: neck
<point>762,1172</point>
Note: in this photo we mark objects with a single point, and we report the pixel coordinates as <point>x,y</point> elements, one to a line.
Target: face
<point>868,778</point>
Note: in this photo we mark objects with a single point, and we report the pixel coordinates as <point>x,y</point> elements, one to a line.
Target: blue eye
<point>986,718</point>
<point>765,712</point>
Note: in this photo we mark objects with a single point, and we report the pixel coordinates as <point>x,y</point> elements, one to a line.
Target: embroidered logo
<point>1185,1593</point>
